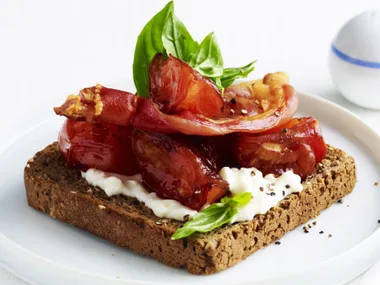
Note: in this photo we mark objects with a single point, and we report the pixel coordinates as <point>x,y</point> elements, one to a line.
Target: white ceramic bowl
<point>354,60</point>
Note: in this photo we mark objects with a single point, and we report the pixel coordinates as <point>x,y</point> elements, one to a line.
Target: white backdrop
<point>49,49</point>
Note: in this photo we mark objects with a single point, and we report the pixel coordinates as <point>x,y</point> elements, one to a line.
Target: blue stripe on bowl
<point>349,59</point>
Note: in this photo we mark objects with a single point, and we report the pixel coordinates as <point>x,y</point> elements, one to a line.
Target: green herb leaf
<point>237,201</point>
<point>206,220</point>
<point>148,44</point>
<point>177,40</point>
<point>165,33</point>
<point>214,216</point>
<point>231,74</point>
<point>208,61</point>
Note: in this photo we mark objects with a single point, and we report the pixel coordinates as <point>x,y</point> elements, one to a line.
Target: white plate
<point>45,251</point>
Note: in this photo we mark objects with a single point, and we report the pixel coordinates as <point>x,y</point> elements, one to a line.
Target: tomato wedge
<point>105,147</point>
<point>297,145</point>
<point>172,170</point>
<point>99,104</point>
<point>174,86</point>
<point>250,107</point>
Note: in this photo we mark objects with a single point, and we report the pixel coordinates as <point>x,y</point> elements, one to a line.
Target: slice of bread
<point>60,192</point>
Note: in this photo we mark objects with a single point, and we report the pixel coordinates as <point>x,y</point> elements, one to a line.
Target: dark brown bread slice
<point>61,192</point>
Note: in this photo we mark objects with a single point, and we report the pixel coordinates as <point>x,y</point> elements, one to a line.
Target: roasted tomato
<point>99,104</point>
<point>174,86</point>
<point>249,107</point>
<point>106,147</point>
<point>171,169</point>
<point>297,145</point>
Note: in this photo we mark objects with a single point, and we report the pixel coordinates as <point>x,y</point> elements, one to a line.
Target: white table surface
<point>49,49</point>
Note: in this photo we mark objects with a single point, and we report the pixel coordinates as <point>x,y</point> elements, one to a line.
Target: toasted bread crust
<point>59,191</point>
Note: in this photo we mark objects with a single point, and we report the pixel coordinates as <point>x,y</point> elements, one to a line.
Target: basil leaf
<point>177,40</point>
<point>206,220</point>
<point>208,61</point>
<point>214,216</point>
<point>165,33</point>
<point>231,74</point>
<point>148,44</point>
<point>238,200</point>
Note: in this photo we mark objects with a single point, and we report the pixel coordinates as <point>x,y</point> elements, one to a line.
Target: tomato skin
<point>174,86</point>
<point>106,147</point>
<point>297,145</point>
<point>99,104</point>
<point>174,171</point>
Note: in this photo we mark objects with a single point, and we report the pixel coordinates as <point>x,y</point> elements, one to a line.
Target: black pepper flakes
<point>186,218</point>
<point>305,231</point>
<point>321,232</point>
<point>233,101</point>
<point>330,235</point>
<point>309,226</point>
<point>287,186</point>
<point>340,201</point>
<point>261,188</point>
<point>378,221</point>
<point>283,193</point>
<point>272,193</point>
<point>278,242</point>
<point>314,223</point>
<point>284,130</point>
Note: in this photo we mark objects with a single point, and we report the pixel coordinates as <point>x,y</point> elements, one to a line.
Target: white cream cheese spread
<point>113,184</point>
<point>266,191</point>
